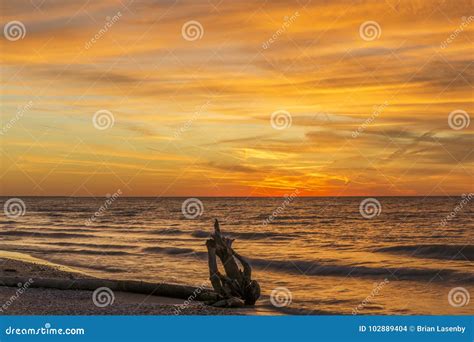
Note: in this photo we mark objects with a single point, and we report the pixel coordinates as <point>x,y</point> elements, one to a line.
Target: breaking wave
<point>444,252</point>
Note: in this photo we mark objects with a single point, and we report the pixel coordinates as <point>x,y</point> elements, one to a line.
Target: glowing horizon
<point>369,109</point>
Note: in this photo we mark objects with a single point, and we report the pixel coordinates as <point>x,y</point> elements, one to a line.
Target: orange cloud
<point>367,114</point>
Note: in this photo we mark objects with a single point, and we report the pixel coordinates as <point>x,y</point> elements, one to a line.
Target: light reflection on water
<point>321,249</point>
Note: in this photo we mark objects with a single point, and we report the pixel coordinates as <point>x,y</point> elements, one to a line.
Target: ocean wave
<point>127,213</point>
<point>55,214</point>
<point>167,231</point>
<point>60,224</point>
<point>291,223</point>
<point>286,217</point>
<point>90,266</point>
<point>45,234</point>
<point>7,222</point>
<point>89,252</point>
<point>318,269</point>
<point>237,235</point>
<point>247,235</point>
<point>70,251</point>
<point>170,250</point>
<point>71,230</point>
<point>444,252</point>
<point>314,268</point>
<point>89,245</point>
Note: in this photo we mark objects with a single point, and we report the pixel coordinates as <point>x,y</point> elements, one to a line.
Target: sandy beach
<point>28,300</point>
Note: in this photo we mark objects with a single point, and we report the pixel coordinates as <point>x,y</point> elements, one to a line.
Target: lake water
<point>317,255</point>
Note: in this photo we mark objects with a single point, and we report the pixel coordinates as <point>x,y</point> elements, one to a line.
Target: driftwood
<point>156,289</point>
<point>235,288</point>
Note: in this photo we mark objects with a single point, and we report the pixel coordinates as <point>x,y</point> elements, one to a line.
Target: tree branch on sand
<point>133,286</point>
<point>236,288</point>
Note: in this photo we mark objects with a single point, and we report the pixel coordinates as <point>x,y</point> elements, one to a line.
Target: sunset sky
<point>192,116</point>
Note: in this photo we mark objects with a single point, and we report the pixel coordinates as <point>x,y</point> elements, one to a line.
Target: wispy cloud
<point>319,70</point>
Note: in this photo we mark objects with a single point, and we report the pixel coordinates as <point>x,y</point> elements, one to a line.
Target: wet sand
<point>27,300</point>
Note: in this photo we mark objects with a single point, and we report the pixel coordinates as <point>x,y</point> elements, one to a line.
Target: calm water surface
<point>329,257</point>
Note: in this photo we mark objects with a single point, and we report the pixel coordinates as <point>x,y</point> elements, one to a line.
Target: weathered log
<point>155,289</point>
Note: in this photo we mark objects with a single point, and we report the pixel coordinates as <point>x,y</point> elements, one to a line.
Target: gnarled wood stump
<point>236,288</point>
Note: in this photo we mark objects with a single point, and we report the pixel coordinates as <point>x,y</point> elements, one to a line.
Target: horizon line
<point>197,196</point>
